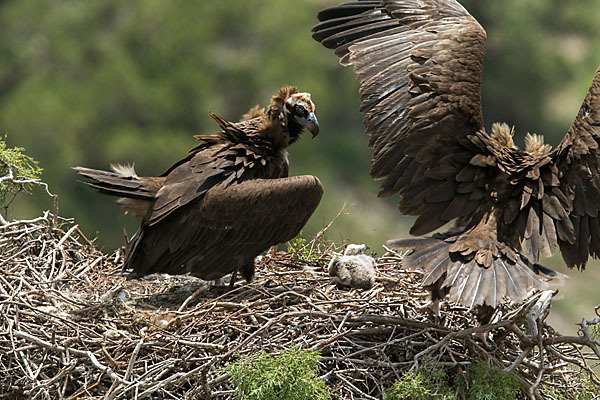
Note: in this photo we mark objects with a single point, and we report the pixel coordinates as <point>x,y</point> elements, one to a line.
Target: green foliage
<point>417,387</point>
<point>296,245</point>
<point>290,376</point>
<point>491,383</point>
<point>17,171</point>
<point>410,387</point>
<point>299,249</point>
<point>580,388</point>
<point>430,382</point>
<point>589,391</point>
<point>585,392</point>
<point>595,331</point>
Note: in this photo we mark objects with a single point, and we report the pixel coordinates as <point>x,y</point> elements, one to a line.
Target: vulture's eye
<point>301,111</point>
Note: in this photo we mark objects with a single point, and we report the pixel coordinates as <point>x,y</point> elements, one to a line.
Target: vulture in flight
<point>229,200</point>
<point>419,63</point>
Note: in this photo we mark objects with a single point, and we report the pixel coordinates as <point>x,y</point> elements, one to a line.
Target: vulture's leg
<point>437,294</point>
<point>233,277</point>
<point>433,307</point>
<point>484,314</point>
<point>247,271</point>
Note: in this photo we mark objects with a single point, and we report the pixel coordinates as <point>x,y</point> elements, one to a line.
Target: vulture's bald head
<point>292,111</point>
<point>300,111</point>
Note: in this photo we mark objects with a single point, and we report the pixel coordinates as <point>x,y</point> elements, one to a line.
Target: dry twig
<point>71,324</point>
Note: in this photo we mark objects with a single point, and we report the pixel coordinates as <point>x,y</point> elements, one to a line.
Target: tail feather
<point>467,281</point>
<point>420,258</point>
<point>440,265</point>
<point>429,255</point>
<point>122,183</point>
<point>412,244</point>
<point>472,284</point>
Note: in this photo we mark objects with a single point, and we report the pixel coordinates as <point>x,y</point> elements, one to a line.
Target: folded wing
<point>226,229</point>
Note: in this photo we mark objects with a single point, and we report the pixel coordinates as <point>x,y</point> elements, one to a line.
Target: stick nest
<point>72,326</point>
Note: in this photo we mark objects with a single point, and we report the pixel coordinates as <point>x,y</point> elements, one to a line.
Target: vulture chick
<point>419,63</point>
<point>229,200</point>
<point>353,269</point>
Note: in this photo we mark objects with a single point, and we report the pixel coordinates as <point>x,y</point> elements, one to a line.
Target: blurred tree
<point>540,59</point>
<point>94,83</point>
<point>90,83</point>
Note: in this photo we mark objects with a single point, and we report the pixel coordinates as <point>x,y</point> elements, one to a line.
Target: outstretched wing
<point>227,228</point>
<point>419,63</point>
<point>577,158</point>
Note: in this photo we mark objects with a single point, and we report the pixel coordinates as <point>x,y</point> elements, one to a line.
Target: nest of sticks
<point>72,326</point>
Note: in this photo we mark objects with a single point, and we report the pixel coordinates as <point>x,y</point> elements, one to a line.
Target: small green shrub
<point>589,391</point>
<point>581,388</point>
<point>299,249</point>
<point>595,331</point>
<point>432,382</point>
<point>491,383</point>
<point>410,387</point>
<point>290,376</point>
<point>16,168</point>
<point>428,383</point>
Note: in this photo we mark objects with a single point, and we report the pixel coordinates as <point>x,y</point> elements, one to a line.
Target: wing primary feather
<point>495,286</point>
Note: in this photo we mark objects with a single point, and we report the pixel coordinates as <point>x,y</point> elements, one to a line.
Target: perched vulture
<point>353,269</point>
<point>230,199</point>
<point>419,63</point>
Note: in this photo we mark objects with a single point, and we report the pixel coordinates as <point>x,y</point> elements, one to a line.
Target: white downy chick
<point>353,269</point>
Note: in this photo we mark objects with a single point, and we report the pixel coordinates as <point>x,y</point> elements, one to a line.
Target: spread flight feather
<point>419,63</point>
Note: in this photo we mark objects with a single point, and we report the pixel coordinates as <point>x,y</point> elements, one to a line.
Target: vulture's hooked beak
<point>310,123</point>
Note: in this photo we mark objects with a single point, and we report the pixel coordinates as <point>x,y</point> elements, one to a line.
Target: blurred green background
<point>93,82</point>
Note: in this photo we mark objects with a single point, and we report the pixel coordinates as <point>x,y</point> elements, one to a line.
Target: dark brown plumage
<point>419,63</point>
<point>225,203</point>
